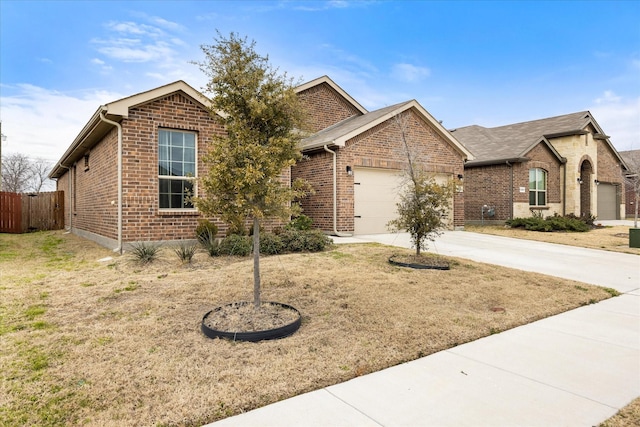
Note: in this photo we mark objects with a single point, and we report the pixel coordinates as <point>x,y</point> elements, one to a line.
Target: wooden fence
<point>20,213</point>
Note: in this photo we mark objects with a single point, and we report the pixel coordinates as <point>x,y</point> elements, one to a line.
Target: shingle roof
<point>515,140</point>
<point>340,133</point>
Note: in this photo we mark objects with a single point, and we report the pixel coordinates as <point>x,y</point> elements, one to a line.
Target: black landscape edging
<point>269,334</point>
<point>419,266</point>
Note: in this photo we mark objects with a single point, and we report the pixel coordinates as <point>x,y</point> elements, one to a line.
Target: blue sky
<point>485,63</point>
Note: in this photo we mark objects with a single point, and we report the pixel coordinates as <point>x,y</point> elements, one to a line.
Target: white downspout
<point>68,168</point>
<point>335,196</point>
<point>119,127</point>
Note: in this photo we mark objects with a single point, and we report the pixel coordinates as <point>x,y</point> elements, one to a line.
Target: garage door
<point>607,201</point>
<point>375,195</point>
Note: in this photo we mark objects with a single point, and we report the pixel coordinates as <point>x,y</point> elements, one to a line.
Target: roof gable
<point>334,86</point>
<point>96,128</point>
<point>340,133</point>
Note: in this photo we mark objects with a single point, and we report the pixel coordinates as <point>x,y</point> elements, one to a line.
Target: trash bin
<point>634,237</point>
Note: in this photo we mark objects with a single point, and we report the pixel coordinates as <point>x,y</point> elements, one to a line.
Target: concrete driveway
<point>610,269</point>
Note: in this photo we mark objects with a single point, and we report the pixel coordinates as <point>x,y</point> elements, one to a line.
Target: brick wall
<point>491,185</point>
<point>379,147</point>
<point>326,107</point>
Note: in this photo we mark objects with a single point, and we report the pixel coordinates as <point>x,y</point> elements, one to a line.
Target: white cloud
<point>409,73</point>
<point>42,123</point>
<point>134,50</point>
<point>619,117</point>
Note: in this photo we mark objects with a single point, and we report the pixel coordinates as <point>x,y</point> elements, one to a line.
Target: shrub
<point>145,252</point>
<point>235,244</point>
<point>304,240</point>
<point>552,223</point>
<point>293,240</point>
<point>316,241</point>
<point>270,244</point>
<point>186,251</point>
<point>301,222</point>
<point>206,231</point>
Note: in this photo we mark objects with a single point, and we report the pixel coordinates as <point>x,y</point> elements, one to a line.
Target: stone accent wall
<point>326,107</point>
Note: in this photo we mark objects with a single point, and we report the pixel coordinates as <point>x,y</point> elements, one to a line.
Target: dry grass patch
<point>116,343</point>
<point>614,239</point>
<point>629,416</point>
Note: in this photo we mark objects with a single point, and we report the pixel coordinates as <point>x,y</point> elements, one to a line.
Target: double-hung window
<point>537,187</point>
<point>176,168</point>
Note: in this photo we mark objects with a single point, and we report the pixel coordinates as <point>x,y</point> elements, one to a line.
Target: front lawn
<point>112,342</point>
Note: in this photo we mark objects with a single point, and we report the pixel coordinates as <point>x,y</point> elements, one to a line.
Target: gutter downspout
<point>511,190</point>
<point>68,168</point>
<point>335,196</point>
<point>119,127</point>
<point>564,189</point>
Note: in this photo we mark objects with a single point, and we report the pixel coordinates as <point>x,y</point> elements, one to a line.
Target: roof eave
<point>473,164</point>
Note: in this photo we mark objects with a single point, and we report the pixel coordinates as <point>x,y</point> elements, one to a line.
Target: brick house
<point>355,158</point>
<point>128,172</point>
<point>564,165</point>
<point>632,159</point>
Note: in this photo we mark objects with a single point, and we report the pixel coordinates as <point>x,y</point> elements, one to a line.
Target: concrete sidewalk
<point>574,369</point>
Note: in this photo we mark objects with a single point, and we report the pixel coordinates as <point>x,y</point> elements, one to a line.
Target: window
<point>537,187</point>
<point>176,168</point>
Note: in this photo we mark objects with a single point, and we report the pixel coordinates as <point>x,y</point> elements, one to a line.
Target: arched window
<point>537,187</point>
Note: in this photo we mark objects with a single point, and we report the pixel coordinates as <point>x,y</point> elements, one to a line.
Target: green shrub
<point>301,222</point>
<point>206,231</point>
<point>552,223</point>
<point>316,241</point>
<point>145,252</point>
<point>186,251</point>
<point>270,244</point>
<point>293,240</point>
<point>237,245</point>
<point>304,240</point>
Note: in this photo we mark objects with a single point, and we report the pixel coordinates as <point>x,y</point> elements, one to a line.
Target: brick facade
<point>93,198</point>
<point>378,147</point>
<point>326,107</point>
<point>498,186</point>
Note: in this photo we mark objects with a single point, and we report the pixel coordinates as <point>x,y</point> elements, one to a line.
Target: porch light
<point>579,180</point>
<point>597,182</point>
<point>349,171</point>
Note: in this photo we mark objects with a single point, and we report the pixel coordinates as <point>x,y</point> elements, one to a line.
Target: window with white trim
<point>176,168</point>
<point>537,187</point>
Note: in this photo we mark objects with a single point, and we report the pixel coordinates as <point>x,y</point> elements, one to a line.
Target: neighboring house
<point>355,159</point>
<point>559,165</point>
<point>128,174</point>
<point>632,159</point>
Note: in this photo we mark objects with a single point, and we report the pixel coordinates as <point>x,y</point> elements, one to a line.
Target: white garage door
<point>375,195</point>
<point>607,201</point>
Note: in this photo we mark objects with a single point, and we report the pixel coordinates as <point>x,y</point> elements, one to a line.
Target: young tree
<point>263,120</point>
<point>423,202</point>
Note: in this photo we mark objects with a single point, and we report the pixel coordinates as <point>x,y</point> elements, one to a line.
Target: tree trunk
<point>256,263</point>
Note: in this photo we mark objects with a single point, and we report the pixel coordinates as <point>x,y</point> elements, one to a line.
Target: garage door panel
<point>607,201</point>
<point>375,195</point>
